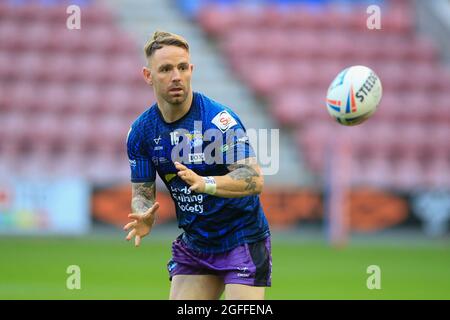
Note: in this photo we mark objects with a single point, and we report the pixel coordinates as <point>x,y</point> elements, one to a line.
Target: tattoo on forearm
<point>246,173</point>
<point>143,196</point>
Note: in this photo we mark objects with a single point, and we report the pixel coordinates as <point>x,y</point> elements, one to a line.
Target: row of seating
<point>293,108</point>
<point>326,44</point>
<point>32,12</point>
<point>55,97</point>
<point>403,166</point>
<point>268,79</point>
<point>219,20</point>
<point>16,37</point>
<point>91,68</point>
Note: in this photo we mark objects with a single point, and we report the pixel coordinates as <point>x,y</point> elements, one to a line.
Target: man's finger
<point>137,241</point>
<point>131,234</point>
<point>129,225</point>
<point>153,208</point>
<point>179,166</point>
<point>194,187</point>
<point>134,216</point>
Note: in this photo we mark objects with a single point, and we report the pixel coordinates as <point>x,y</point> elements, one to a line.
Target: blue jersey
<point>211,224</point>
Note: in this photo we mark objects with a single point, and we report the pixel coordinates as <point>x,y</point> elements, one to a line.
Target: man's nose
<point>176,76</point>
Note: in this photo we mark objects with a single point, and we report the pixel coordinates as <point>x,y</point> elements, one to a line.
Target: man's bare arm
<point>249,172</point>
<point>144,208</point>
<point>244,179</point>
<point>143,196</point>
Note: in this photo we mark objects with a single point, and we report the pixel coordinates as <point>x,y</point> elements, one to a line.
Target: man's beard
<point>177,99</point>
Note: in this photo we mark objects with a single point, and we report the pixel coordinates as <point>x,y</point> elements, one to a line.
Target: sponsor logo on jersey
<point>223,120</point>
<point>157,140</point>
<point>163,160</point>
<point>132,163</point>
<point>224,148</point>
<point>195,138</point>
<point>196,157</point>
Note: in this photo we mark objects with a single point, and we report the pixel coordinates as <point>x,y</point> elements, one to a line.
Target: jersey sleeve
<point>236,142</point>
<point>141,165</point>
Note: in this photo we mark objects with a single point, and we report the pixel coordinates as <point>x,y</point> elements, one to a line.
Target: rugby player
<point>225,244</point>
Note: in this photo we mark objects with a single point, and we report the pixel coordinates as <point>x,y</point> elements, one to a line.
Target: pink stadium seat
<point>423,50</point>
<point>399,47</point>
<point>299,75</point>
<point>116,100</point>
<point>85,99</point>
<point>77,131</point>
<point>249,16</point>
<point>216,20</point>
<point>265,80</point>
<point>93,68</point>
<point>8,66</point>
<point>11,35</point>
<point>95,14</point>
<point>60,67</point>
<point>38,37</point>
<point>377,172</point>
<point>30,66</point>
<point>440,111</point>
<point>99,39</point>
<point>392,76</point>
<point>289,110</point>
<point>441,79</point>
<point>23,96</point>
<point>407,175</point>
<point>70,41</point>
<point>54,98</point>
<point>398,19</point>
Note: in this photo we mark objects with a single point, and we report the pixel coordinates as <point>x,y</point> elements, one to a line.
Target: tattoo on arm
<point>143,196</point>
<point>244,172</point>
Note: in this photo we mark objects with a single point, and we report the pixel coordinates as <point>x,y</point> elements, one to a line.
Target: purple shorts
<point>248,264</point>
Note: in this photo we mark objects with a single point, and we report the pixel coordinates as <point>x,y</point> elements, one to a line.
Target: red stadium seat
<point>54,98</point>
<point>85,99</point>
<point>11,36</point>
<point>8,66</point>
<point>216,20</point>
<point>30,66</point>
<point>23,96</point>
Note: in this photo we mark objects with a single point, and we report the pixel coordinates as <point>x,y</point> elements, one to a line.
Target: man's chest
<point>185,145</point>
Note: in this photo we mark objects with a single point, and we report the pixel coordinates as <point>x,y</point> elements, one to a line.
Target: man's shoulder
<point>145,118</point>
<point>218,113</point>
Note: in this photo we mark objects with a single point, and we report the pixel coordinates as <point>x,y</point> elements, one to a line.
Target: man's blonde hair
<point>161,39</point>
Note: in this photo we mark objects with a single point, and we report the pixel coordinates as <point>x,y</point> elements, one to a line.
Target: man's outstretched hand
<point>196,182</point>
<point>141,225</point>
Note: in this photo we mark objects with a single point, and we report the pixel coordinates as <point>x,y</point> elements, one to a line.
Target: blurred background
<point>345,198</point>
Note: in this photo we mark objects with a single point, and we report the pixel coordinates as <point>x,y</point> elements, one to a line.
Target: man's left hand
<point>196,182</point>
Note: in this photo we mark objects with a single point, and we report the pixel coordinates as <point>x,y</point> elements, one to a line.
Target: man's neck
<point>172,113</point>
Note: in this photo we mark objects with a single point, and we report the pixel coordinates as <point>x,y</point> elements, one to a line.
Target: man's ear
<point>147,75</point>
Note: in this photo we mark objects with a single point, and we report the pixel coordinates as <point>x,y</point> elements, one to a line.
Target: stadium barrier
<point>369,209</point>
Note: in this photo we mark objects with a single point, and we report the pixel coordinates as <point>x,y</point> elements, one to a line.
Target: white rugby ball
<point>354,95</point>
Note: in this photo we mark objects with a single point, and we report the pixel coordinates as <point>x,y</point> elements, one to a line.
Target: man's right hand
<point>141,225</point>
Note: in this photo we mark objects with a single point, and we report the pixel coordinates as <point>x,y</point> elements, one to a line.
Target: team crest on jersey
<point>223,120</point>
